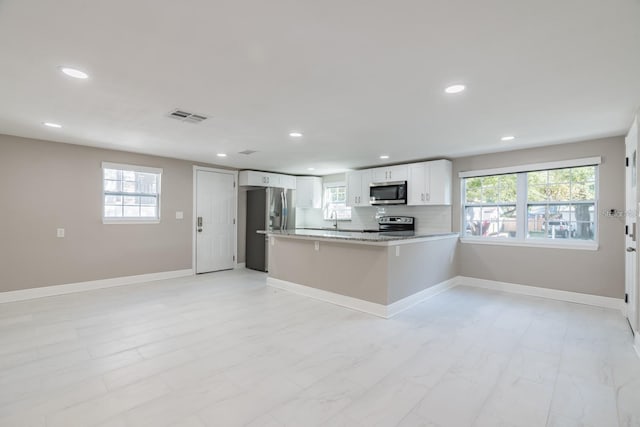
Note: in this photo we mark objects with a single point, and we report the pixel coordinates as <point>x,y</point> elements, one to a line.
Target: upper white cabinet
<point>390,173</point>
<point>358,188</point>
<point>308,192</point>
<point>429,183</point>
<point>266,179</point>
<point>288,181</point>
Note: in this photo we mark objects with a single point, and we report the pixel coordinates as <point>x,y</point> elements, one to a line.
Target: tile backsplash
<point>429,219</point>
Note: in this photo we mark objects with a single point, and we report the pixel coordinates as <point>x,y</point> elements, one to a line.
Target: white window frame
<point>327,185</point>
<point>133,168</point>
<point>521,205</point>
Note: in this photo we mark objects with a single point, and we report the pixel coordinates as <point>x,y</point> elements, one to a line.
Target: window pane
<point>112,174</point>
<point>132,211</point>
<point>536,178</point>
<point>559,176</point>
<point>131,201</point>
<point>587,173</point>
<point>559,192</point>
<point>473,188</point>
<point>508,186</point>
<point>147,211</point>
<point>114,186</point>
<point>566,221</point>
<point>489,194</point>
<point>148,201</point>
<point>491,221</point>
<point>537,193</point>
<point>112,211</point>
<point>128,175</point>
<point>583,191</point>
<point>129,186</point>
<point>112,200</point>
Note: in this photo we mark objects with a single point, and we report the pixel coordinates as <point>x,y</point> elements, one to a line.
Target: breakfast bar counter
<point>379,273</point>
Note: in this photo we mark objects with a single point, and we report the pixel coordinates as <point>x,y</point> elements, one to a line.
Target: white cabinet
<point>358,188</point>
<point>308,192</point>
<point>266,179</point>
<point>429,183</point>
<point>390,173</point>
<point>418,183</point>
<point>288,181</point>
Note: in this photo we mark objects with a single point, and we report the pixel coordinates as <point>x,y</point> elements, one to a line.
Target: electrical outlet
<point>60,232</point>
<point>316,245</point>
<point>179,215</point>
<point>397,250</point>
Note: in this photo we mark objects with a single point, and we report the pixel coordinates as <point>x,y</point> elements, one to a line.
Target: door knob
<point>631,249</point>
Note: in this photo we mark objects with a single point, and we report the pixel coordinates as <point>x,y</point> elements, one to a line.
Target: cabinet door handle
<point>428,197</point>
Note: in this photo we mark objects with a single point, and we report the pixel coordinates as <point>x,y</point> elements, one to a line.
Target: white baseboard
<point>380,310</point>
<point>411,300</point>
<point>342,300</point>
<point>576,297</point>
<point>48,291</point>
<point>240,265</point>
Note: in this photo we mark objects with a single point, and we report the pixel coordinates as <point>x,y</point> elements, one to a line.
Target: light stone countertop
<point>380,239</point>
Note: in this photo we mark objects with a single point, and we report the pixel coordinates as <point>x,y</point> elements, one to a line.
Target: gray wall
<point>598,272</point>
<point>420,266</point>
<point>46,185</point>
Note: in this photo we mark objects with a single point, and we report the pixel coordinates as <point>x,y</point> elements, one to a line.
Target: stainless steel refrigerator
<point>267,209</point>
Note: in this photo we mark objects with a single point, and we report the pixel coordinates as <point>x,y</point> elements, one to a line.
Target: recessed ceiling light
<point>75,73</point>
<point>311,169</point>
<point>508,138</point>
<point>222,155</point>
<point>52,125</point>
<point>455,89</point>
<point>295,134</point>
<point>384,156</point>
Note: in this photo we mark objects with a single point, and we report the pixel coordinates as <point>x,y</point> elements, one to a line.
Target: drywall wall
<point>47,185</point>
<point>598,272</point>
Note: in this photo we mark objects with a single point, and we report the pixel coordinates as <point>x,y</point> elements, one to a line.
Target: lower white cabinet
<point>430,183</point>
<point>308,192</point>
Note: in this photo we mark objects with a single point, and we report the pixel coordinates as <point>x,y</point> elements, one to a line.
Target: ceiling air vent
<point>247,152</point>
<point>185,116</point>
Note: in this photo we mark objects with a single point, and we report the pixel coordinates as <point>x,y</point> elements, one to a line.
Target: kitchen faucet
<point>334,216</point>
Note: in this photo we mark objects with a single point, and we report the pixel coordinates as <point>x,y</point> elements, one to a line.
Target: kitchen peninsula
<point>379,273</point>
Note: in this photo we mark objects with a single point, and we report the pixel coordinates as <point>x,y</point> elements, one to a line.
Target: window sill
<point>584,246</point>
<point>130,221</point>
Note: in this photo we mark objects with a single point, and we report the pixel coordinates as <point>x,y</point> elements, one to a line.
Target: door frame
<point>194,236</point>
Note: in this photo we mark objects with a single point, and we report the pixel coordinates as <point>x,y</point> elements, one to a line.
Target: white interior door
<point>631,244</point>
<point>215,221</point>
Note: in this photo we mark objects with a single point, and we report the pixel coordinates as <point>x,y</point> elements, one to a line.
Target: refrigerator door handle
<point>282,219</point>
<point>286,210</point>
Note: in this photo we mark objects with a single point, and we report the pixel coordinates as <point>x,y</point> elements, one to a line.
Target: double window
<point>130,193</point>
<point>543,205</point>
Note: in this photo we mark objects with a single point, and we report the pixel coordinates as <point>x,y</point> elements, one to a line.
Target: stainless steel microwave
<point>388,193</point>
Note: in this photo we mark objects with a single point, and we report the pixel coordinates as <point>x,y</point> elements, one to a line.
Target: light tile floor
<point>224,349</point>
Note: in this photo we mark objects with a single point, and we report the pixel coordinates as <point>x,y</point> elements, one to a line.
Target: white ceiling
<point>359,78</point>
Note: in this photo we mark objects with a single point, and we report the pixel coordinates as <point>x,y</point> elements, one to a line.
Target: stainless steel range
<point>396,225</point>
